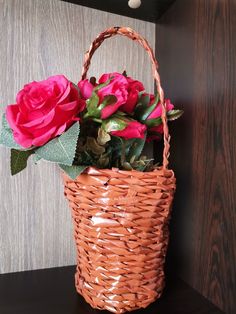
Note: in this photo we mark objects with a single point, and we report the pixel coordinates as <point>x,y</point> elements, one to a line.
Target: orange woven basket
<point>121,221</point>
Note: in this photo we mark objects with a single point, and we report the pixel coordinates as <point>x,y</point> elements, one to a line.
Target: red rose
<point>44,110</point>
<point>133,129</point>
<point>118,87</point>
<point>123,127</point>
<point>157,111</point>
<point>134,88</point>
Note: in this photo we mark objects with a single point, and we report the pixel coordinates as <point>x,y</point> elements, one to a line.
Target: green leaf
<point>36,158</point>
<point>136,148</point>
<point>150,109</point>
<point>145,100</point>
<point>156,134</point>
<point>143,104</point>
<point>145,109</point>
<point>5,124</point>
<point>141,165</point>
<point>140,94</point>
<point>61,149</point>
<point>92,106</point>
<point>6,135</point>
<point>174,114</point>
<point>113,124</point>
<point>107,100</point>
<point>116,143</point>
<point>144,113</point>
<point>128,145</point>
<point>19,160</point>
<point>153,122</point>
<point>100,86</point>
<point>73,171</point>
<point>115,150</point>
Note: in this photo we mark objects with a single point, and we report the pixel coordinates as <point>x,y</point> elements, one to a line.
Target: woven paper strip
<point>121,233</point>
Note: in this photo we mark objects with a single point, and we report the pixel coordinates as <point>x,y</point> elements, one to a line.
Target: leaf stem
<point>97,120</point>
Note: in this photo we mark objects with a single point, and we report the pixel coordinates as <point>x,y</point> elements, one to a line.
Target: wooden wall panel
<point>38,39</point>
<point>150,10</point>
<point>196,45</point>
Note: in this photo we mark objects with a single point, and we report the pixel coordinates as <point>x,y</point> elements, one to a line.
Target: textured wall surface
<point>38,39</point>
<point>196,45</point>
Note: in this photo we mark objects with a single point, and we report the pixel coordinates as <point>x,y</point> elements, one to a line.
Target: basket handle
<point>130,33</point>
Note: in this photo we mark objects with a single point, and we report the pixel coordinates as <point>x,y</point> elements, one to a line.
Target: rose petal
<point>22,139</point>
<point>44,138</point>
<point>109,110</point>
<point>86,89</point>
<point>133,129</point>
<point>117,87</point>
<point>69,106</point>
<point>156,113</point>
<point>61,129</point>
<point>42,122</point>
<point>65,94</point>
<point>11,115</point>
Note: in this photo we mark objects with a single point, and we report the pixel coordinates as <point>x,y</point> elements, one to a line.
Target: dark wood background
<point>150,10</point>
<point>196,46</point>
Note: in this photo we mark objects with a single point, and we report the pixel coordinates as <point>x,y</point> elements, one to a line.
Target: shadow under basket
<point>121,233</point>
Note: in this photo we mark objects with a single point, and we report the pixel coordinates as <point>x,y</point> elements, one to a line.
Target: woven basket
<point>121,221</point>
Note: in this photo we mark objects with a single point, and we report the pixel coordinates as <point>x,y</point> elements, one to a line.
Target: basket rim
<point>94,171</point>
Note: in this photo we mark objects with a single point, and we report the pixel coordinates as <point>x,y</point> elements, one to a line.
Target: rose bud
<point>125,128</point>
<point>149,110</point>
<point>150,115</point>
<point>157,111</point>
<point>85,89</point>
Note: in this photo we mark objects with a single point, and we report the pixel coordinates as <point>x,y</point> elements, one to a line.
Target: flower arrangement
<point>103,123</point>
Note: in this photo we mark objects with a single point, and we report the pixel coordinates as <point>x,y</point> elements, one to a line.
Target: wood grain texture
<point>38,39</point>
<point>196,45</point>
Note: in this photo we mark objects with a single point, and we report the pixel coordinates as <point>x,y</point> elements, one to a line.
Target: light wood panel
<point>196,44</point>
<point>38,39</point>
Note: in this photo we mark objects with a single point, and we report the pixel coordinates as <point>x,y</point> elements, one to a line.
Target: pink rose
<point>44,110</point>
<point>118,87</point>
<point>156,113</point>
<point>85,88</point>
<point>134,88</point>
<point>133,129</point>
